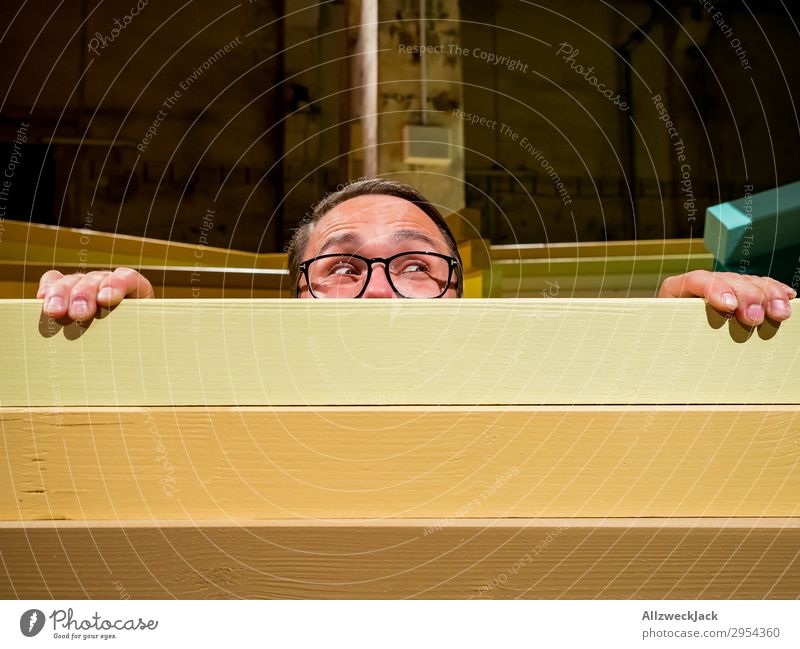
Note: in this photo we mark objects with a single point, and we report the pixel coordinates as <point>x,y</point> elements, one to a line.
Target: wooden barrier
<point>438,448</point>
<point>396,352</point>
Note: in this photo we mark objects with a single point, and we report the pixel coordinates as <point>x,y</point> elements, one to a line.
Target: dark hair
<point>365,187</point>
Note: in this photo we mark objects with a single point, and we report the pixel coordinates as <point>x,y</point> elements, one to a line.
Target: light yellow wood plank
<point>657,247</point>
<point>600,266</point>
<point>445,462</point>
<point>21,280</point>
<point>480,558</point>
<point>611,276</point>
<point>582,286</point>
<point>23,241</point>
<point>373,352</point>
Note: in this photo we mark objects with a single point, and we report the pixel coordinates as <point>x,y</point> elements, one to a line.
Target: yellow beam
<point>474,254</point>
<point>464,224</point>
<point>446,462</point>
<point>383,352</point>
<point>482,283</point>
<point>478,558</point>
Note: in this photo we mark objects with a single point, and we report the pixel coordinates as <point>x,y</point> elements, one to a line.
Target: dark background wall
<point>266,128</point>
<point>739,126</point>
<point>240,138</point>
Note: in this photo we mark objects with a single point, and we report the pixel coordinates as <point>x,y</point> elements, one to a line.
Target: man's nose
<point>378,285</point>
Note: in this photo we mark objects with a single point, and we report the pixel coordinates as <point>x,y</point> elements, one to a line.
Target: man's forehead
<point>376,208</point>
<point>375,212</point>
<point>350,238</point>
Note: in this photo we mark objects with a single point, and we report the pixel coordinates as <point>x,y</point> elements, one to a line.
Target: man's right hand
<point>77,296</point>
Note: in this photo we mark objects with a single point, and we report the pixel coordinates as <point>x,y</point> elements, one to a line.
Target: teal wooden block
<point>783,265</point>
<point>753,226</point>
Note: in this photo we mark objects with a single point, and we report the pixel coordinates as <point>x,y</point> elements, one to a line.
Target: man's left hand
<point>749,297</point>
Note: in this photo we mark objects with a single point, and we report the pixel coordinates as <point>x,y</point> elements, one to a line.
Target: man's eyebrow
<point>407,234</point>
<point>343,239</point>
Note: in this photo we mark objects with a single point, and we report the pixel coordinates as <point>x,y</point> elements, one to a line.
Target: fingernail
<point>781,307</point>
<point>729,300</point>
<point>109,294</point>
<point>80,306</point>
<point>755,312</point>
<point>55,303</point>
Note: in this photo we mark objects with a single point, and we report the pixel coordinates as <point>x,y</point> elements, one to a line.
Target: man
<point>379,238</point>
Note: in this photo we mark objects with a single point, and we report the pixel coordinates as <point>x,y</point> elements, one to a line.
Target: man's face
<point>375,226</point>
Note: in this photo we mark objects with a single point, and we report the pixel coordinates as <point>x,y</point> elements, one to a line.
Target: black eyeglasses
<point>413,274</point>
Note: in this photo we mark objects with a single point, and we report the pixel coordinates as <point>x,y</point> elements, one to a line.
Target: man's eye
<point>414,266</point>
<point>343,269</point>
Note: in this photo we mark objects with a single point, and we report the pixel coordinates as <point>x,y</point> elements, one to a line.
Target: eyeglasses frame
<point>451,266</point>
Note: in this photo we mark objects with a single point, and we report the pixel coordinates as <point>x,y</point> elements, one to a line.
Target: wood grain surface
<point>446,462</point>
<point>385,352</point>
<point>479,558</point>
